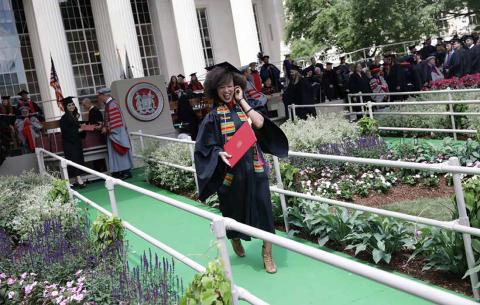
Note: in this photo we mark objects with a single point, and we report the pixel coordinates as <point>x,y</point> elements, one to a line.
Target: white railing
<point>221,224</point>
<point>461,225</point>
<point>368,108</point>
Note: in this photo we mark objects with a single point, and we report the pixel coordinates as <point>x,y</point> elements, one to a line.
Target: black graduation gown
<point>475,59</point>
<point>187,115</point>
<point>300,93</point>
<point>457,66</point>
<point>94,116</point>
<point>329,84</point>
<point>247,199</point>
<point>72,143</point>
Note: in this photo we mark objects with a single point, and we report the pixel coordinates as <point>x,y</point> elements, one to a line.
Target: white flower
<point>11,281</point>
<point>54,293</point>
<point>78,297</point>
<point>24,275</point>
<point>69,284</point>
<point>11,294</point>
<point>377,170</point>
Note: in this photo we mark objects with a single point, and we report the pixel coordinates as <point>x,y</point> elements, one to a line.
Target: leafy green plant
<point>441,250</point>
<point>368,126</point>
<point>107,231</point>
<point>59,190</point>
<point>478,134</point>
<point>381,237</point>
<point>211,287</point>
<point>167,177</point>
<point>289,176</point>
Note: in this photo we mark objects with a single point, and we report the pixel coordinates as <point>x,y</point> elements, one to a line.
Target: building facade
<point>95,42</point>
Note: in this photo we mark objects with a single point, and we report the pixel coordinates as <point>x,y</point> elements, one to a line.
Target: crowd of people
<point>390,73</point>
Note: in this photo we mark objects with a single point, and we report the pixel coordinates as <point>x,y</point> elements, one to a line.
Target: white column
<point>47,36</point>
<point>165,37</point>
<point>115,29</point>
<point>273,23</point>
<point>245,30</point>
<point>188,33</point>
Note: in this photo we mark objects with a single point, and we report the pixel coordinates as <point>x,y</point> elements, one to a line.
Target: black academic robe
<point>475,59</point>
<point>419,75</point>
<point>329,84</point>
<point>300,93</point>
<point>272,72</point>
<point>457,64</point>
<point>72,143</point>
<point>187,115</point>
<point>94,116</point>
<point>247,199</point>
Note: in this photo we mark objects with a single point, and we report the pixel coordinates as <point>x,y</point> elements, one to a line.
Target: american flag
<point>55,84</point>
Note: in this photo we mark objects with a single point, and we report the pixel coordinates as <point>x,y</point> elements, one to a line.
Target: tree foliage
<point>354,24</point>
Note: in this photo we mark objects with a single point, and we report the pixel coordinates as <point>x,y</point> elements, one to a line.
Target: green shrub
<point>380,237</point>
<point>167,177</point>
<point>368,126</point>
<point>307,135</point>
<point>441,250</point>
<point>31,199</point>
<point>107,231</point>
<point>471,193</point>
<point>211,287</point>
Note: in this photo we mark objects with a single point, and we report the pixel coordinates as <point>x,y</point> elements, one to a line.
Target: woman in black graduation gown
<point>72,138</point>
<point>243,190</point>
<point>299,92</point>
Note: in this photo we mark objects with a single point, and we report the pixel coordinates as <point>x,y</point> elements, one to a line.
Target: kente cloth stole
<point>228,129</point>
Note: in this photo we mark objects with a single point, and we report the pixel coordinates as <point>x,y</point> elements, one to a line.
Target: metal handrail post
<point>40,161</point>
<point>464,220</point>
<point>350,108</point>
<point>142,143</point>
<point>289,109</point>
<point>192,156</point>
<point>361,102</point>
<point>110,186</point>
<point>283,202</point>
<point>294,114</point>
<point>220,230</point>
<point>63,165</point>
<point>370,110</point>
<point>452,117</point>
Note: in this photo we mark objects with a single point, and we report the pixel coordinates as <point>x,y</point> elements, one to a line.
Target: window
<point>17,69</point>
<point>143,25</point>
<point>82,43</point>
<point>205,36</point>
<point>255,14</point>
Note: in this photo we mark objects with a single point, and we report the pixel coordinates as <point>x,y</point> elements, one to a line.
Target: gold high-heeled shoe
<point>237,247</point>
<point>268,262</point>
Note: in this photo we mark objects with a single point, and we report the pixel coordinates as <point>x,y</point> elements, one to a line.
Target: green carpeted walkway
<point>299,281</point>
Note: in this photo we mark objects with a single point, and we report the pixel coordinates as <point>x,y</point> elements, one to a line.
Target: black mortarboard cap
<point>467,37</point>
<point>5,97</point>
<point>265,55</point>
<point>180,75</point>
<point>342,57</point>
<point>329,63</point>
<point>67,100</point>
<point>225,65</point>
<point>193,74</point>
<point>22,92</point>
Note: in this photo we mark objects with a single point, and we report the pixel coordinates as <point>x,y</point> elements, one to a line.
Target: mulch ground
<point>403,192</point>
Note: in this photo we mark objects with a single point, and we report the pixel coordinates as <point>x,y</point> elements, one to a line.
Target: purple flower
<point>11,281</point>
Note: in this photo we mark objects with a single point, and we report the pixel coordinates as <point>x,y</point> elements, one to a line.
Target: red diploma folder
<point>240,143</point>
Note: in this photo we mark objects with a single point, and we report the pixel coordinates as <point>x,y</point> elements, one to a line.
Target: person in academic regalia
<point>359,82</point>
<point>475,58</point>
<point>195,84</point>
<point>7,123</point>
<point>72,136</point>
<point>270,71</point>
<point>287,66</point>
<point>299,92</point>
<point>378,85</point>
<point>118,142</point>
<point>419,73</point>
<point>187,115</point>
<point>329,82</point>
<point>243,190</point>
<point>173,88</point>
<point>95,117</point>
<point>433,73</point>
<point>257,80</point>
<point>255,98</point>
<point>181,82</point>
<point>28,128</point>
<point>396,78</point>
<point>471,55</point>
<point>343,75</point>
<point>457,64</point>
<point>25,100</point>
<point>427,49</point>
